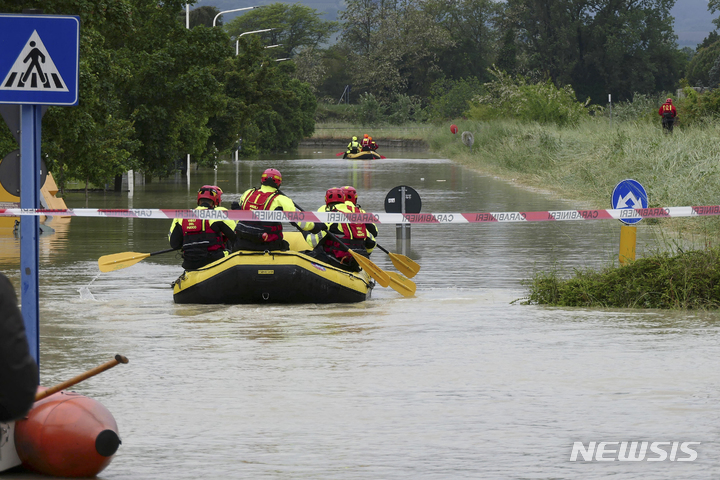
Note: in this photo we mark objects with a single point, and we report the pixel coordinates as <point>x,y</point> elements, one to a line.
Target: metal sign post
<point>38,66</point>
<point>403,199</point>
<point>629,194</point>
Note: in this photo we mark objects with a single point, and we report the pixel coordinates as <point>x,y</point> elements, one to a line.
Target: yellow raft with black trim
<point>247,277</point>
<point>367,155</point>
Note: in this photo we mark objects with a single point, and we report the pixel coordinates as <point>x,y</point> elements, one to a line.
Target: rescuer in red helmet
<point>372,144</point>
<point>353,235</point>
<point>265,235</point>
<point>668,113</point>
<point>365,143</point>
<point>351,197</point>
<point>18,370</point>
<point>203,241</point>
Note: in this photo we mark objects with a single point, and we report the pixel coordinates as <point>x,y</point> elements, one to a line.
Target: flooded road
<point>458,382</point>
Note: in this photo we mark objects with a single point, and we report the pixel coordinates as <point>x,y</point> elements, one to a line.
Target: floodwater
<point>460,382</point>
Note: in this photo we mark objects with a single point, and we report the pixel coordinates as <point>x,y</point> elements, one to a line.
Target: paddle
<point>84,376</point>
<point>401,284</point>
<point>117,261</point>
<point>339,153</point>
<point>380,275</point>
<point>407,266</point>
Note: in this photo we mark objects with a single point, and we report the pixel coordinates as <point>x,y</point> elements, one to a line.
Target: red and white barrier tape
<point>387,218</point>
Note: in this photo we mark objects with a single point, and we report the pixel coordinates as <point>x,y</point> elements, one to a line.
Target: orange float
<point>67,435</point>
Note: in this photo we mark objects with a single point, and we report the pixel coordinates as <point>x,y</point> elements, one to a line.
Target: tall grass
<point>586,161</point>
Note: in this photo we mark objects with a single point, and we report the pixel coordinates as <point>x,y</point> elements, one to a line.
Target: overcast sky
<point>693,21</point>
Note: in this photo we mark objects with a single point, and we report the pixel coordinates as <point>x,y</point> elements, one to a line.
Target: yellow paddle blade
<point>117,261</point>
<point>402,285</point>
<point>380,276</point>
<point>407,266</point>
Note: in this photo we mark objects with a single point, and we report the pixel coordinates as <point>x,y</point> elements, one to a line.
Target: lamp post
<point>237,42</point>
<point>229,11</point>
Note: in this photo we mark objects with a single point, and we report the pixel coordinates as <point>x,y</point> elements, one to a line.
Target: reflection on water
<point>457,382</point>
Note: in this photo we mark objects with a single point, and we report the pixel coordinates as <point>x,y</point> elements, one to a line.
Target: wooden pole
<point>81,377</point>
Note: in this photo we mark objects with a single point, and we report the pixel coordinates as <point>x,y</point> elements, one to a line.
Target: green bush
<point>515,97</point>
<point>699,67</point>
<point>685,280</point>
<point>451,98</point>
<point>698,107</point>
<point>640,108</point>
<point>370,111</point>
<point>333,112</point>
<point>403,110</point>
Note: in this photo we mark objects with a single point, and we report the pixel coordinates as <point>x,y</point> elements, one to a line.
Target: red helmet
<point>271,176</point>
<point>210,192</point>
<point>669,100</point>
<point>334,195</point>
<point>365,136</point>
<point>350,194</point>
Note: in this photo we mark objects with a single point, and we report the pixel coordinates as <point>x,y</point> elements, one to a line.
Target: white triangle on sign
<point>622,201</point>
<point>34,70</point>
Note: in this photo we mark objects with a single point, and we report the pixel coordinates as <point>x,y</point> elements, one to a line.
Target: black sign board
<point>394,200</point>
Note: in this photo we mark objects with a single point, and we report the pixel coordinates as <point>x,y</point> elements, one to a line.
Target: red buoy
<point>67,435</point>
<point>453,128</point>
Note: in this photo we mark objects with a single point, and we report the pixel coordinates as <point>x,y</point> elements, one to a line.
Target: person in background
<point>18,370</point>
<point>668,113</point>
<point>203,241</point>
<point>353,146</point>
<point>265,235</point>
<point>351,205</point>
<point>372,145</point>
<point>365,143</point>
<point>353,235</point>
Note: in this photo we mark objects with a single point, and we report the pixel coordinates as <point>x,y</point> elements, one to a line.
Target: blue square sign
<point>39,59</point>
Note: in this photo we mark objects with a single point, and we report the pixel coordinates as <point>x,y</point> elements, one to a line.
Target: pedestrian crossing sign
<point>39,59</point>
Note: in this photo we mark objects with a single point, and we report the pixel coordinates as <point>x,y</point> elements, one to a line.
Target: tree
<point>393,49</point>
<point>202,16</point>
<point>93,141</point>
<point>173,92</point>
<point>709,40</point>
<point>618,46</point>
<point>267,108</point>
<point>295,27</point>
<point>471,25</point>
<point>697,71</point>
<point>714,6</point>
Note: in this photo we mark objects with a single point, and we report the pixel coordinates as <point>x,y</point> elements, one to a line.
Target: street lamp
<point>237,42</point>
<point>229,11</point>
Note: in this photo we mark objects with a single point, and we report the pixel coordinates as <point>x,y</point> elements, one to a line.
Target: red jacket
<point>667,107</point>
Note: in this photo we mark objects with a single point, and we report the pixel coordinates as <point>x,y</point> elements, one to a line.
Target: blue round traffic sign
<point>629,194</point>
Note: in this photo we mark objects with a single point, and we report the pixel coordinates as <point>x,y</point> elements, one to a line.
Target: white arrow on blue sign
<point>629,194</point>
<point>39,59</point>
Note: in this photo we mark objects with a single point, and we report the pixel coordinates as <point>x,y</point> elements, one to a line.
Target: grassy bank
<point>582,163</point>
<point>684,280</point>
<point>587,161</point>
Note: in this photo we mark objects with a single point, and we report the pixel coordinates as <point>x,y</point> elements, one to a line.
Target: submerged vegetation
<point>684,280</point>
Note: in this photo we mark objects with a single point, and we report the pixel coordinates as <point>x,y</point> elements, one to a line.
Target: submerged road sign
<point>629,194</point>
<point>39,59</point>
